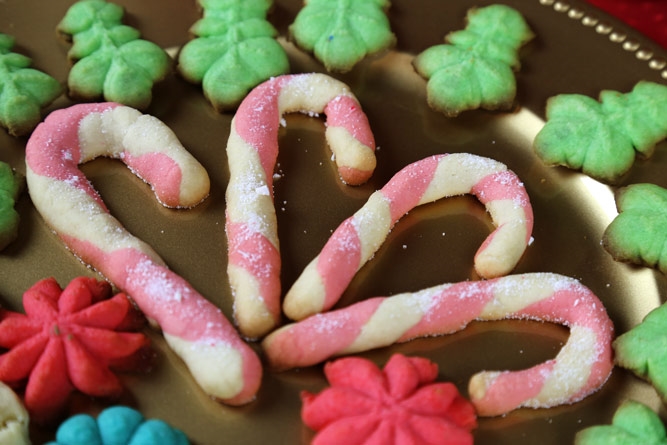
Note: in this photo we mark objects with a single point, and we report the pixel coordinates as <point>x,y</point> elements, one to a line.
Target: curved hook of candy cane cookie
<point>252,150</point>
<point>580,368</point>
<point>356,240</point>
<point>220,361</point>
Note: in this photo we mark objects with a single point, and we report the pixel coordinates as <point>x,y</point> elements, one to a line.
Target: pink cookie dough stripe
<point>245,247</point>
<point>257,121</point>
<point>345,112</point>
<point>574,305</point>
<point>317,338</point>
<point>406,188</point>
<point>53,148</point>
<point>513,388</point>
<point>505,186</point>
<point>501,185</point>
<point>339,261</point>
<point>56,140</point>
<point>452,309</point>
<point>162,172</point>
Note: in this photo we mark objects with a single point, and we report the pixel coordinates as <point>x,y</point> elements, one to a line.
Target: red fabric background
<point>647,16</point>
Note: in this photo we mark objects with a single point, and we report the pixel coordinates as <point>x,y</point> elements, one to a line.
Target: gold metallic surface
<point>433,244</point>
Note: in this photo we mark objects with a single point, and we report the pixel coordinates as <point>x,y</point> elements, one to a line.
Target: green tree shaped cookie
<point>642,350</point>
<point>340,33</point>
<point>111,60</point>
<point>10,186</point>
<point>475,67</point>
<point>23,91</point>
<point>639,233</point>
<point>234,50</point>
<point>602,138</point>
<point>633,424</point>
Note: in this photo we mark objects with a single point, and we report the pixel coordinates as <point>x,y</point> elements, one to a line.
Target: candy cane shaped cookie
<point>219,360</point>
<point>252,150</point>
<point>357,239</point>
<point>581,367</point>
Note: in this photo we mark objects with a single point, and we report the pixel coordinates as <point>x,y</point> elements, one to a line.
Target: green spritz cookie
<point>111,61</point>
<point>24,91</point>
<point>475,67</point>
<point>10,186</point>
<point>638,234</point>
<point>601,138</point>
<point>642,350</point>
<point>634,423</point>
<point>340,33</point>
<point>233,51</point>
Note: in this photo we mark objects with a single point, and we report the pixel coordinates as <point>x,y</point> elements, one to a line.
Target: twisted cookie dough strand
<point>223,365</point>
<point>252,149</point>
<point>580,368</point>
<point>357,239</point>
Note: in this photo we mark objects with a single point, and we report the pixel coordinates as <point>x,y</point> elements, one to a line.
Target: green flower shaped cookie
<point>475,67</point>
<point>340,33</point>
<point>23,91</point>
<point>639,233</point>
<point>602,138</point>
<point>234,51</point>
<point>10,186</point>
<point>642,350</point>
<point>111,60</point>
<point>633,423</point>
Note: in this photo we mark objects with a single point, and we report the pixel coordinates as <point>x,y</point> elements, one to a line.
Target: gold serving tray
<point>577,49</point>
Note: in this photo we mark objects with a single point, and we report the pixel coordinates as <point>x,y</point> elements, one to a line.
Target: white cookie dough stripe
<point>14,418</point>
<point>222,364</point>
<point>580,368</point>
<point>252,149</point>
<point>357,239</point>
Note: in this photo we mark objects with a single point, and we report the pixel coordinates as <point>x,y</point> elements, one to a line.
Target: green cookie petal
<point>9,218</point>
<point>23,91</point>
<point>640,350</point>
<point>633,424</point>
<point>639,233</point>
<point>87,76</point>
<point>246,65</point>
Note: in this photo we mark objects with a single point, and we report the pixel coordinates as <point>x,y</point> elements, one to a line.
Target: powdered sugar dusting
<point>423,300</point>
<point>247,193</point>
<point>155,282</point>
<point>330,323</point>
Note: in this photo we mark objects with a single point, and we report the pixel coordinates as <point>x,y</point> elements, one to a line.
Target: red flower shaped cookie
<point>398,405</point>
<point>67,340</point>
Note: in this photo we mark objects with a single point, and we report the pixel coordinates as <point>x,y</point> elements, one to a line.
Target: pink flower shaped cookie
<point>68,339</point>
<point>398,405</point>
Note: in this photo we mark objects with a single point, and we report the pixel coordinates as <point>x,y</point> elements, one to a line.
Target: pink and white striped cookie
<point>581,367</point>
<point>219,360</point>
<point>252,149</point>
<point>357,239</point>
